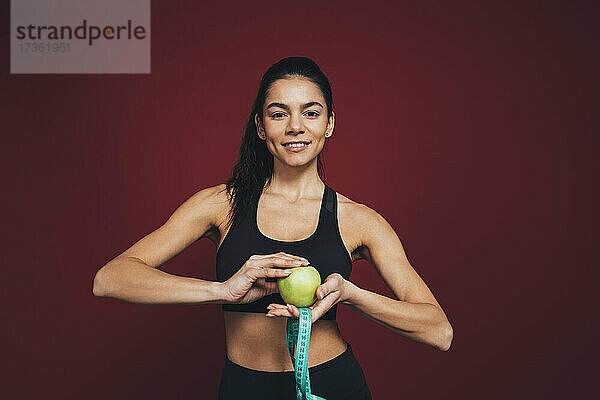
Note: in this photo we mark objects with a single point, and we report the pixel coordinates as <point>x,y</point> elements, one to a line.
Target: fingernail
<point>269,315</point>
<point>305,259</point>
<point>287,271</point>
<point>289,307</point>
<point>270,307</point>
<point>297,262</point>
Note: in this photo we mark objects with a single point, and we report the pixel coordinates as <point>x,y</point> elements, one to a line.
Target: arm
<point>134,276</point>
<point>132,280</point>
<point>416,314</point>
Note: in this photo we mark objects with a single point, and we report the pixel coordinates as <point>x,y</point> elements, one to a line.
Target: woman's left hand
<point>334,290</point>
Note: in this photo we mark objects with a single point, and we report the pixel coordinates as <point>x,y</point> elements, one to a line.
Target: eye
<point>277,114</point>
<point>313,114</point>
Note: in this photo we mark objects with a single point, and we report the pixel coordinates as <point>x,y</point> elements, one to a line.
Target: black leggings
<point>340,378</point>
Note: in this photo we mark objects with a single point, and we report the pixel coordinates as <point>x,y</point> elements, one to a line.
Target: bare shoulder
<point>355,213</point>
<point>210,204</point>
<point>351,220</point>
<point>359,223</point>
<point>347,206</point>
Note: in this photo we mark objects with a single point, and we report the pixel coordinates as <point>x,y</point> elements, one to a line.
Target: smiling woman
<point>279,174</point>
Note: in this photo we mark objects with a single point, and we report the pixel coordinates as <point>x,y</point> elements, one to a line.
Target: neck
<point>295,182</point>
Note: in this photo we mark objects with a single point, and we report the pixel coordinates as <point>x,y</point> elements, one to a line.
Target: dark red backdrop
<point>469,127</point>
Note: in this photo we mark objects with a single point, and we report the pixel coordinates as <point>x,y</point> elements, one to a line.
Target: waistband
<point>347,353</point>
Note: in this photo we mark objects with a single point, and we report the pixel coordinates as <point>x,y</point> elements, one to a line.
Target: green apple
<point>299,288</point>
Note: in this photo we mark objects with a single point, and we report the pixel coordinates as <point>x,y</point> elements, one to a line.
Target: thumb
<point>322,291</point>
<point>271,287</point>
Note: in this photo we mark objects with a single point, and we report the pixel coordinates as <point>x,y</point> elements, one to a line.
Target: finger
<point>330,285</point>
<point>321,307</point>
<point>270,287</point>
<point>281,254</point>
<point>281,262</point>
<point>324,289</point>
<point>259,256</point>
<point>295,256</point>
<point>275,305</point>
<point>259,272</point>
<point>293,310</point>
<point>296,261</point>
<point>274,262</point>
<point>290,257</point>
<point>279,312</point>
<point>277,261</point>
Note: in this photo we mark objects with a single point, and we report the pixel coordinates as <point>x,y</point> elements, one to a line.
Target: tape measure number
<point>297,334</point>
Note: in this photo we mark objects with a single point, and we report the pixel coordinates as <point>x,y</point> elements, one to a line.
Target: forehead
<point>294,90</point>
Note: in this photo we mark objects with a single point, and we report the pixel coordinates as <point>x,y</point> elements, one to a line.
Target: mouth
<point>298,145</point>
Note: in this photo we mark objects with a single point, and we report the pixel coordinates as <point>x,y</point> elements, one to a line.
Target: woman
<point>275,212</point>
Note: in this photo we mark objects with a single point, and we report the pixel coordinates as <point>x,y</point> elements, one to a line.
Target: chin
<point>296,162</point>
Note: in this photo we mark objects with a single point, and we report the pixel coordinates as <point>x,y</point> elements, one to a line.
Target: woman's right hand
<point>249,283</point>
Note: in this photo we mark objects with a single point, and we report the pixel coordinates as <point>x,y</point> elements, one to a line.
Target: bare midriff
<point>258,342</point>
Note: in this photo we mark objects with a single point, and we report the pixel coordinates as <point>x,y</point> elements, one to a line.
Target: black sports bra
<point>324,249</point>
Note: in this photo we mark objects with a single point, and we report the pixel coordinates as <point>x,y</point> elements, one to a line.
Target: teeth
<point>296,144</point>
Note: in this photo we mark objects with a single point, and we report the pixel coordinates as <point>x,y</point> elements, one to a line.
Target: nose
<point>295,125</point>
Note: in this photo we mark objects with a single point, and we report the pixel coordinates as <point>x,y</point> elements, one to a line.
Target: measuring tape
<point>299,336</point>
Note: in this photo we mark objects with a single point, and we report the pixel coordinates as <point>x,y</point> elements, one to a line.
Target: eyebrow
<point>285,107</point>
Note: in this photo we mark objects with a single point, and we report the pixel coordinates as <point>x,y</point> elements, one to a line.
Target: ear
<point>259,127</point>
<point>331,124</point>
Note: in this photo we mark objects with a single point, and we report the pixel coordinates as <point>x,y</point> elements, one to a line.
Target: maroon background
<point>469,127</point>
